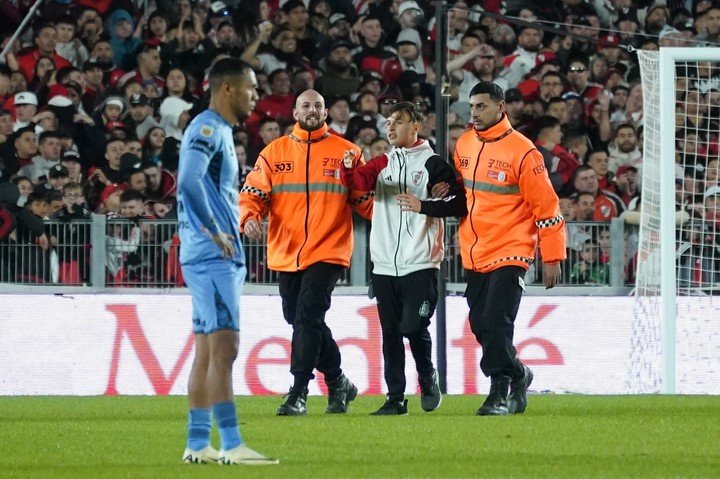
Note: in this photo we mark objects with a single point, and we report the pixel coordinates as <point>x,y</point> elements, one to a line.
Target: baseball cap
<point>58,171</point>
<point>609,40</point>
<point>370,75</point>
<point>624,169</point>
<point>115,125</point>
<point>409,5</point>
<point>110,189</point>
<point>341,44</point>
<point>70,155</point>
<point>712,191</point>
<point>26,98</point>
<point>337,17</point>
<point>621,86</point>
<point>219,9</point>
<point>117,101</point>
<point>544,57</point>
<point>92,63</point>
<point>139,99</point>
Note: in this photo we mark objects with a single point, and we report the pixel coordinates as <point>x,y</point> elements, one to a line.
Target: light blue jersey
<point>208,189</point>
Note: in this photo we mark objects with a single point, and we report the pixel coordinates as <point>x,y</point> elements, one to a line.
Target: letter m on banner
<point>128,324</point>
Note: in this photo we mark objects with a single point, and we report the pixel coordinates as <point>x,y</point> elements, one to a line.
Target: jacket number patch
<point>284,167</point>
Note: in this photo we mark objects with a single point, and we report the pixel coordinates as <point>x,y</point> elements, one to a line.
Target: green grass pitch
<point>558,436</point>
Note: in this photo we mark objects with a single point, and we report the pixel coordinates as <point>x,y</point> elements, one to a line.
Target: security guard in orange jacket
<point>296,182</point>
<point>510,202</point>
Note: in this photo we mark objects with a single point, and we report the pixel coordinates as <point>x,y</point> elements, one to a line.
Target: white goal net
<point>676,330</point>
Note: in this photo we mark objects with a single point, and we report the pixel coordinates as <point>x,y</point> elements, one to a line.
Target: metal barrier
<point>145,254</point>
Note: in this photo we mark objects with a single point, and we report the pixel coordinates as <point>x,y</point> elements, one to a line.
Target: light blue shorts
<point>215,287</point>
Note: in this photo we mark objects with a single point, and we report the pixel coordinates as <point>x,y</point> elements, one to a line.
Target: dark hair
<point>275,73</point>
<point>622,126</point>
<point>113,140</point>
<point>581,169</point>
<point>18,179</point>
<point>553,74</point>
<point>405,108</point>
<point>42,26</point>
<point>66,20</point>
<point>5,70</point>
<point>64,73</point>
<point>36,196</point>
<point>47,134</point>
<point>545,122</point>
<point>485,87</point>
<point>131,195</point>
<point>53,195</point>
<point>555,99</point>
<point>265,120</point>
<point>225,68</point>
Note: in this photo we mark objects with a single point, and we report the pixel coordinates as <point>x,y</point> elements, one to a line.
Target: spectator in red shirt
<point>279,103</point>
<point>148,68</point>
<point>626,184</point>
<point>560,163</point>
<point>607,204</point>
<point>598,161</point>
<point>45,39</point>
<point>372,50</point>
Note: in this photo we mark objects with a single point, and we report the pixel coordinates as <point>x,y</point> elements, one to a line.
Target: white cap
<point>712,191</point>
<point>60,101</point>
<point>173,106</point>
<point>117,101</point>
<point>405,6</point>
<point>25,98</point>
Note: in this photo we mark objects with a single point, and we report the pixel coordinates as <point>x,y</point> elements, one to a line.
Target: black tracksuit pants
<point>405,305</point>
<point>494,299</point>
<point>305,300</point>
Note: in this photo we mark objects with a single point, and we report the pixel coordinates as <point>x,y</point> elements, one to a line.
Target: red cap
<point>110,189</point>
<point>114,125</point>
<point>57,90</point>
<point>608,40</point>
<point>544,57</point>
<point>624,169</point>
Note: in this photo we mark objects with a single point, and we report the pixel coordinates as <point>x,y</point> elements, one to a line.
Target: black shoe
<point>340,393</point>
<point>392,408</point>
<point>294,404</point>
<point>496,402</point>
<point>430,396</point>
<point>517,401</point>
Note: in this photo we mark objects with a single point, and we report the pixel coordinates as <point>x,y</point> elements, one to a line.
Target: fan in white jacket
<point>406,247</point>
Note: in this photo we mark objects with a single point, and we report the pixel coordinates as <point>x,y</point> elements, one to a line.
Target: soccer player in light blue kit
<point>213,262</point>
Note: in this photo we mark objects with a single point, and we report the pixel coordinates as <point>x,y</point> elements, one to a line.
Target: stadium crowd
<point>95,95</point>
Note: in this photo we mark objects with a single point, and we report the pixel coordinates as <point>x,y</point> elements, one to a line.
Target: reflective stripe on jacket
<point>510,201</point>
<point>296,182</point>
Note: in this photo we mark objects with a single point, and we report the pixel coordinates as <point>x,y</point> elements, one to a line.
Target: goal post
<point>668,302</point>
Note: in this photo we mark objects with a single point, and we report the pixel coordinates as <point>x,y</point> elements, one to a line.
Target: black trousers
<point>405,305</point>
<point>305,300</point>
<point>494,299</point>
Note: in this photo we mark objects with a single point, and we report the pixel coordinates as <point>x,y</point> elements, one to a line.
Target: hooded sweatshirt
<point>121,47</point>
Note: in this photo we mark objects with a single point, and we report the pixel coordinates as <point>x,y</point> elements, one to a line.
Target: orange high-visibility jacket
<point>296,182</point>
<point>510,201</point>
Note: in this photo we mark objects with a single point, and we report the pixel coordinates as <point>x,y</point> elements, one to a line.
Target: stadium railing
<point>106,254</point>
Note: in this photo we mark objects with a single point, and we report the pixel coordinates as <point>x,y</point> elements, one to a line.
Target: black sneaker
<point>340,393</point>
<point>294,404</point>
<point>430,396</point>
<point>392,408</point>
<point>496,402</point>
<point>517,401</point>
